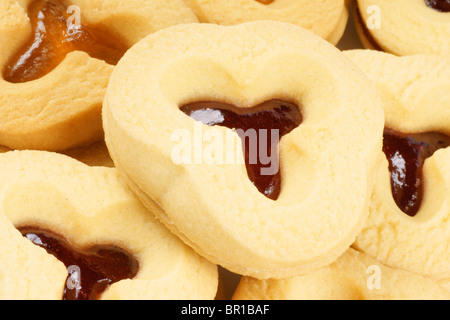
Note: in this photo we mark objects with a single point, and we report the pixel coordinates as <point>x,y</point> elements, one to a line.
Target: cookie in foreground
<point>70,231</point>
<point>181,103</point>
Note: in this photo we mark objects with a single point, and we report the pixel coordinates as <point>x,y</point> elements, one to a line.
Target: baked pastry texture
<point>409,225</point>
<point>404,28</point>
<point>353,276</point>
<point>326,18</point>
<point>43,192</point>
<point>326,163</point>
<point>48,104</point>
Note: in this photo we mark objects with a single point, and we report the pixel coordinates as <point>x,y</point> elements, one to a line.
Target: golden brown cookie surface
<point>52,88</point>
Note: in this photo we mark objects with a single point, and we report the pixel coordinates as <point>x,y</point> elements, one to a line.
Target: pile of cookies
<point>152,149</point>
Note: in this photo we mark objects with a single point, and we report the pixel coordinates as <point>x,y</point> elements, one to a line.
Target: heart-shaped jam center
<point>260,129</point>
<point>439,5</point>
<point>56,31</point>
<point>90,271</point>
<point>406,154</point>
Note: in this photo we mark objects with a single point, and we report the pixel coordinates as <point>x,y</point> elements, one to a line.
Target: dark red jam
<point>268,122</point>
<point>439,5</point>
<point>406,154</point>
<point>91,271</point>
<point>54,34</point>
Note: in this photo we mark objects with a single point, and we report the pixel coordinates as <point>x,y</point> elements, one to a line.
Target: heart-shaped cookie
<point>56,57</point>
<point>327,19</point>
<point>409,225</point>
<point>195,175</point>
<point>88,236</point>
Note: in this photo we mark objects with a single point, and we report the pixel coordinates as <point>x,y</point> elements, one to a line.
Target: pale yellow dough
<point>88,206</point>
<point>405,27</point>
<point>353,276</point>
<point>327,164</point>
<point>326,18</point>
<point>416,94</point>
<point>62,110</point>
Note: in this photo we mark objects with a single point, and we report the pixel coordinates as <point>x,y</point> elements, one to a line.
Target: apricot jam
<point>55,33</point>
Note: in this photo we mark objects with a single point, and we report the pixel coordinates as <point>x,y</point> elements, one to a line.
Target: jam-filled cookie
<point>256,143</point>
<point>353,276</point>
<point>326,18</point>
<point>409,222</point>
<point>404,27</point>
<point>56,57</point>
<point>70,231</point>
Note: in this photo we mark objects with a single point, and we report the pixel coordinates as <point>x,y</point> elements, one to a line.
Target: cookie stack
<point>159,148</point>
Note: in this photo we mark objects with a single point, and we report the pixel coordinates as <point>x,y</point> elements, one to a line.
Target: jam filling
<point>406,154</point>
<point>439,5</point>
<point>55,33</point>
<point>91,271</point>
<point>266,1</point>
<point>269,121</point>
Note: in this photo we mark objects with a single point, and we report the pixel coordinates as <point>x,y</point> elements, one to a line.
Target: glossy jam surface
<point>406,154</point>
<point>55,33</point>
<point>269,122</point>
<point>90,271</point>
<point>439,5</point>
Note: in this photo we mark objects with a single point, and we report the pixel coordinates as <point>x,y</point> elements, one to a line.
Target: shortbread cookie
<point>179,105</point>
<point>56,57</point>
<point>326,18</point>
<point>101,242</point>
<point>409,223</point>
<point>404,28</point>
<point>354,276</point>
